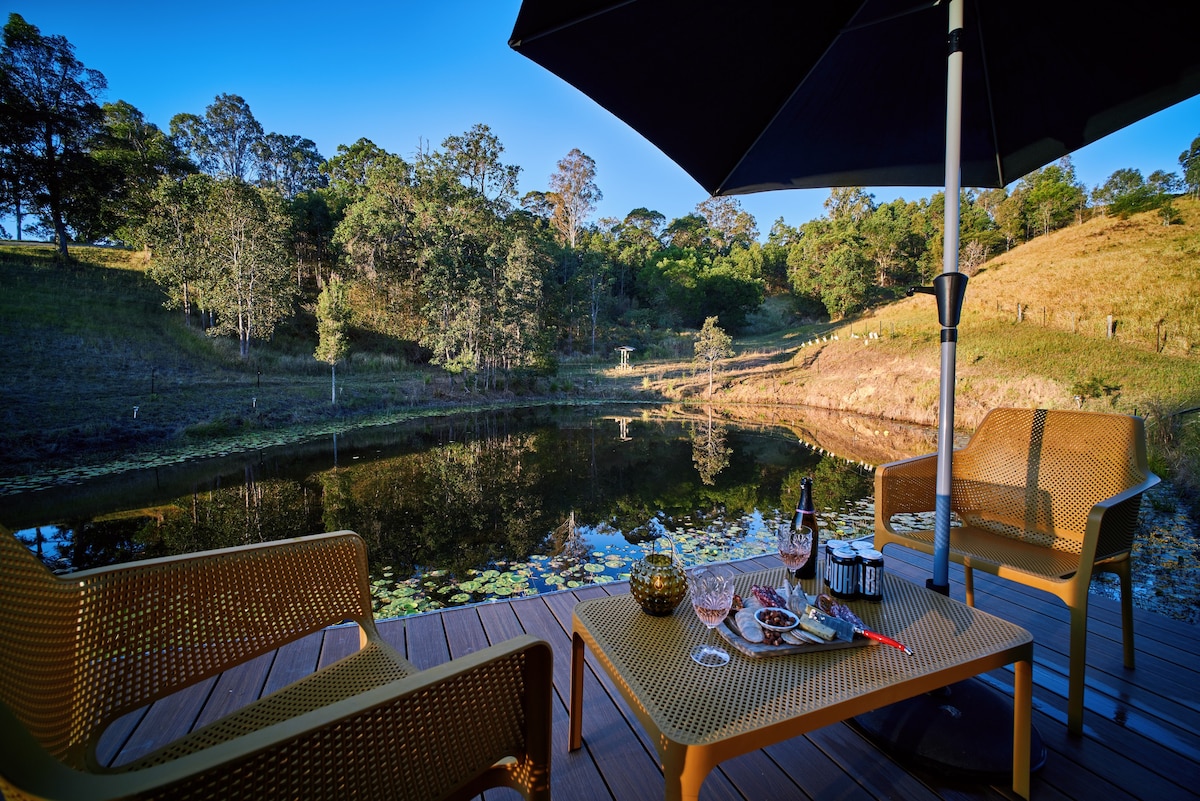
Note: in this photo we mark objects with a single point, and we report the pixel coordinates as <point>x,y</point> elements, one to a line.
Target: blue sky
<point>407,74</point>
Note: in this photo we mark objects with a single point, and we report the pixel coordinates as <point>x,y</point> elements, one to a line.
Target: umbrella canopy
<point>776,95</point>
<point>747,97</point>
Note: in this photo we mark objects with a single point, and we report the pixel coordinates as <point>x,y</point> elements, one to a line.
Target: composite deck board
<point>1142,726</point>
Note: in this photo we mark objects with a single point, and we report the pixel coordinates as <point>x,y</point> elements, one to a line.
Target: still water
<point>466,508</point>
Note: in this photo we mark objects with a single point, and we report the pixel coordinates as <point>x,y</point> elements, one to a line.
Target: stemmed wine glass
<point>712,596</point>
<point>794,544</point>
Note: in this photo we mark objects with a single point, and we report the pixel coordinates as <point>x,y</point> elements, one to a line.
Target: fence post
<point>1111,327</point>
<point>1020,313</point>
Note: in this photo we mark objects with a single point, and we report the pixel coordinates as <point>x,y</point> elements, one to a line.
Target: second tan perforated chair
<point>81,650</point>
<point>1046,499</point>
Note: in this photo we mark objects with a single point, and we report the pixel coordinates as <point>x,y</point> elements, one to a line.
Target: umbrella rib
<point>516,43</point>
<point>977,23</point>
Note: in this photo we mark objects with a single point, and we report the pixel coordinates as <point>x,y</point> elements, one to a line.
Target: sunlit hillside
<point>1053,351</point>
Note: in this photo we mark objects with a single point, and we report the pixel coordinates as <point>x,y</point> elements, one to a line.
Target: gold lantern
<point>658,583</point>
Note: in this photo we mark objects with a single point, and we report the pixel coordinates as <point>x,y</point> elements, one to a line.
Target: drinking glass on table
<point>712,596</point>
<point>794,544</point>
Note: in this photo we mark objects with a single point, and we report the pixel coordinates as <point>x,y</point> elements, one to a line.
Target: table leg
<point>1022,723</point>
<point>684,771</point>
<point>575,713</point>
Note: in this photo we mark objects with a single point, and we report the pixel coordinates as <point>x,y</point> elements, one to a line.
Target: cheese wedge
<point>817,628</point>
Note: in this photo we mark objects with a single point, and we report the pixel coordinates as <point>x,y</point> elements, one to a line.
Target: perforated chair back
<point>39,616</point>
<point>1035,475</point>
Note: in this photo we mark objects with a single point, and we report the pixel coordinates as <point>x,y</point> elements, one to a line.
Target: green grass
<point>86,342</point>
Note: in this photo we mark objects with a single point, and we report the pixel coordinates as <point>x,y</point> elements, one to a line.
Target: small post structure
<point>624,350</point>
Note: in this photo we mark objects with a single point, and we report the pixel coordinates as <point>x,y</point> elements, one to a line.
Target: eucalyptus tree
<point>688,231</point>
<point>333,318</point>
<point>830,265</point>
<point>639,237</point>
<point>223,142</point>
<point>593,278</point>
<point>1052,197</point>
<point>173,233</point>
<point>573,194</point>
<point>475,158</point>
<point>16,156</point>
<point>221,244</point>
<point>374,191</point>
<point>1189,162</point>
<point>1121,184</point>
<point>780,239</point>
<point>136,154</point>
<point>730,226</point>
<point>48,114</point>
<point>288,164</point>
<point>483,268</point>
<point>712,344</point>
<point>246,266</point>
<point>894,243</point>
<point>312,232</point>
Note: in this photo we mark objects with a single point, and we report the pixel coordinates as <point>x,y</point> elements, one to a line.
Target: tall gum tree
<point>246,261</point>
<point>573,194</point>
<point>50,107</point>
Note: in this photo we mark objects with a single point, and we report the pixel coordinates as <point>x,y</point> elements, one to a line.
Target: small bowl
<point>793,621</point>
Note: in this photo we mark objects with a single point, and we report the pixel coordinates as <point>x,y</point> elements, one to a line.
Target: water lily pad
<point>593,568</point>
<point>460,598</point>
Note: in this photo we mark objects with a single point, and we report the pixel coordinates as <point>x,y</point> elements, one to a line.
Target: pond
<point>471,507</point>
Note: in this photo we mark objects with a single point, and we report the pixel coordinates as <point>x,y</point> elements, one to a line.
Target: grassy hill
<point>1054,351</point>
<point>84,345</point>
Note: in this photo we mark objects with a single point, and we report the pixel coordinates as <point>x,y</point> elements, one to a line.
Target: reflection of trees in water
<point>709,453</point>
<point>840,483</point>
<point>488,489</point>
<point>568,543</point>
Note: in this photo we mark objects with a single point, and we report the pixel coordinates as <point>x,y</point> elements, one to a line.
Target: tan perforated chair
<point>1045,499</point>
<point>81,650</point>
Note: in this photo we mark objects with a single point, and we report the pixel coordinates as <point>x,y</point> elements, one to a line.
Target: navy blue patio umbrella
<point>779,94</point>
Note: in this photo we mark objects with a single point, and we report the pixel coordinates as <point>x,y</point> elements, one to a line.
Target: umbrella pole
<point>959,730</point>
<point>949,316</point>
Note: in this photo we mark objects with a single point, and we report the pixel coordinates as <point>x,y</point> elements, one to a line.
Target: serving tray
<point>729,631</point>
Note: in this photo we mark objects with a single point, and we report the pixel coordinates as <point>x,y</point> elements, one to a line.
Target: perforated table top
<point>707,714</point>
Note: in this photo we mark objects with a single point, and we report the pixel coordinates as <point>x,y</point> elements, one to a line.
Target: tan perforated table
<point>699,716</point>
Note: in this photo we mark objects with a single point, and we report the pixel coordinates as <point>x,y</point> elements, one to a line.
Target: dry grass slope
<point>1054,352</point>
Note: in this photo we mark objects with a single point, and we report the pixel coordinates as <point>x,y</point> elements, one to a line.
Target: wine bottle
<point>806,516</point>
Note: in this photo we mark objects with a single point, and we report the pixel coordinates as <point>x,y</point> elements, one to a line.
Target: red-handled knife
<point>883,638</point>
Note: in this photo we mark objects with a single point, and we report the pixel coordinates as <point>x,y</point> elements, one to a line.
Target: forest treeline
<point>439,252</point>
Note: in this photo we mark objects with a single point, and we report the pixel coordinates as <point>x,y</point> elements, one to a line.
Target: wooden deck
<point>1142,736</point>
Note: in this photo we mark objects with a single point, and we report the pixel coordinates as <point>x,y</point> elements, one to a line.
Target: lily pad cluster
<point>579,566</point>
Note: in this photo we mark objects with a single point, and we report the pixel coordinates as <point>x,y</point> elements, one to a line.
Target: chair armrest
<point>429,733</point>
<point>1112,523</point>
<point>153,627</point>
<point>906,486</point>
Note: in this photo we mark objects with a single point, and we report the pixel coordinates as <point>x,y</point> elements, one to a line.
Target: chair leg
<point>969,584</point>
<point>1078,665</point>
<point>1122,569</point>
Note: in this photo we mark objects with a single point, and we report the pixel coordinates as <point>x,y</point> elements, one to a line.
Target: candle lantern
<point>658,583</point>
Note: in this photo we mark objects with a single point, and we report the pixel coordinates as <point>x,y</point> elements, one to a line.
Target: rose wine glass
<point>712,596</point>
<point>794,544</point>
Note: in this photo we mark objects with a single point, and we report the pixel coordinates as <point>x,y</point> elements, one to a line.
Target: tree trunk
<point>333,385</point>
